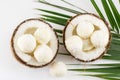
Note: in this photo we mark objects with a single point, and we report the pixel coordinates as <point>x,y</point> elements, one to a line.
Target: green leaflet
<point>107,73</point>
<point>58,31</point>
<point>74,6</point>
<point>97,8</point>
<point>54,13</point>
<point>105,65</point>
<point>60,7</point>
<point>106,76</point>
<point>57,20</point>
<point>54,21</point>
<point>116,14</point>
<point>109,15</point>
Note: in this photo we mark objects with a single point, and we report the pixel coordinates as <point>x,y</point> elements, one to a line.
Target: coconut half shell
<point>95,52</point>
<point>28,27</point>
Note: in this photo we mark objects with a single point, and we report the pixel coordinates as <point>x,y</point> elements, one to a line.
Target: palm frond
<point>103,65</point>
<point>60,7</point>
<point>110,71</point>
<point>58,31</point>
<point>116,36</point>
<point>74,6</point>
<point>106,73</point>
<point>97,8</point>
<point>54,21</point>
<point>54,13</point>
<point>106,76</point>
<point>116,13</point>
<point>62,21</point>
<point>109,15</point>
<point>58,20</point>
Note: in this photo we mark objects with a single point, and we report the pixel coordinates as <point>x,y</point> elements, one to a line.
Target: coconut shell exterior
<point>14,52</point>
<point>107,47</point>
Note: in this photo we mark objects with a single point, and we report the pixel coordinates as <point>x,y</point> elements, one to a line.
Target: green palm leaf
<point>109,15</point>
<point>107,76</point>
<point>97,9</point>
<point>105,72</point>
<point>74,6</point>
<point>102,70</point>
<point>54,13</point>
<point>103,65</point>
<point>116,14</point>
<point>60,7</point>
<point>57,20</point>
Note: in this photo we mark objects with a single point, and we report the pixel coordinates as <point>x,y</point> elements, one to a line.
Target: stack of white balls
<point>37,44</point>
<point>86,39</point>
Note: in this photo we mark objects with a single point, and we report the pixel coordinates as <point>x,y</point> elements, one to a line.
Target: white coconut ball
<point>74,44</point>
<point>26,43</point>
<point>43,35</point>
<point>58,69</point>
<point>99,39</point>
<point>85,29</point>
<point>43,54</point>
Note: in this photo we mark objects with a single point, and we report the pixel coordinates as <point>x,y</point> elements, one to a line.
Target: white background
<point>12,12</point>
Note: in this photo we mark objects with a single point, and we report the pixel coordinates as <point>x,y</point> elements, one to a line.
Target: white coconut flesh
<point>35,43</point>
<point>91,38</point>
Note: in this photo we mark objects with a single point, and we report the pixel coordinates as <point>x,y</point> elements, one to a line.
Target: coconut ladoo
<point>87,37</point>
<point>34,43</point>
<point>58,69</point>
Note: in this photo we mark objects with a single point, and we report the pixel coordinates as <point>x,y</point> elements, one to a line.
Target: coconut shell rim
<point>13,49</point>
<point>106,48</point>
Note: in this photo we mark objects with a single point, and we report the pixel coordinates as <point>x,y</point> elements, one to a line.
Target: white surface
<point>12,12</point>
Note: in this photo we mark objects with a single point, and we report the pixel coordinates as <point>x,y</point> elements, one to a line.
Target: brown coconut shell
<point>13,49</point>
<point>107,47</point>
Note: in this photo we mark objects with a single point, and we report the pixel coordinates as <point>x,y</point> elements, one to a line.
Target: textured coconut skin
<point>14,52</point>
<point>107,47</point>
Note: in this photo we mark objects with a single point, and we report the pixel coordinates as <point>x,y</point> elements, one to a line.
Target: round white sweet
<point>43,54</point>
<point>99,39</point>
<point>74,44</point>
<point>85,29</point>
<point>58,69</point>
<point>43,35</point>
<point>26,43</point>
